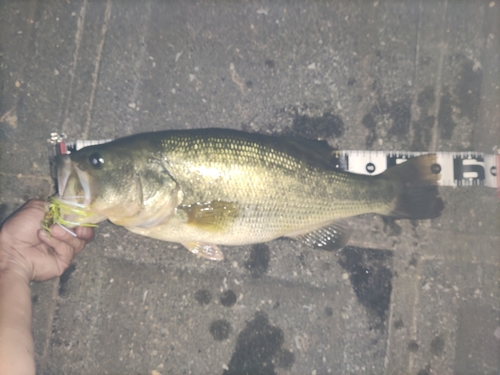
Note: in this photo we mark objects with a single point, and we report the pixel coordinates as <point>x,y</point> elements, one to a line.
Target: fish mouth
<point>73,184</point>
<point>63,166</point>
<point>72,205</point>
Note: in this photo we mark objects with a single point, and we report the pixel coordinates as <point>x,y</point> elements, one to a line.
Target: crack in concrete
<point>80,23</point>
<point>95,74</point>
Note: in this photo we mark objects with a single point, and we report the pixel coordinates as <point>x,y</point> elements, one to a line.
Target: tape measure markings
<point>456,168</point>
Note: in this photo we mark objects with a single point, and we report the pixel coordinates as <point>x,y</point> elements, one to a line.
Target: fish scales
<point>280,193</point>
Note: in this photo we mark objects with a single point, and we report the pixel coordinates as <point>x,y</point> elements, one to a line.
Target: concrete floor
<point>406,297</point>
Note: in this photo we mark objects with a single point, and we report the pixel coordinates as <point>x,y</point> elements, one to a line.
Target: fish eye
<point>96,160</point>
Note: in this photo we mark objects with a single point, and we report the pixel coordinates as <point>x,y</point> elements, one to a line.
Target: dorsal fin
<point>319,152</point>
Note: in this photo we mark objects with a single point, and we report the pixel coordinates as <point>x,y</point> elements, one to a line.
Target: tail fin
<point>416,180</point>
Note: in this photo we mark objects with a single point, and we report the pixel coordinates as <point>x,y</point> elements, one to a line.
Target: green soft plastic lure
<point>56,209</point>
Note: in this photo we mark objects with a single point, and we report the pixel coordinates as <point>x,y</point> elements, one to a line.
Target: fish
<point>204,188</point>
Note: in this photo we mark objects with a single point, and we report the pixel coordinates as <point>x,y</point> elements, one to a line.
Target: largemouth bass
<point>209,187</point>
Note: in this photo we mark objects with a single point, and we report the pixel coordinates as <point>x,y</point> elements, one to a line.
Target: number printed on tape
<point>456,168</point>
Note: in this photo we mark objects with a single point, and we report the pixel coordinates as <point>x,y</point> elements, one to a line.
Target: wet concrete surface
<point>404,298</point>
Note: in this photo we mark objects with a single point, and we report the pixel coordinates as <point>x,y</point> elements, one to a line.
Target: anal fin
<point>204,250</point>
<point>331,237</point>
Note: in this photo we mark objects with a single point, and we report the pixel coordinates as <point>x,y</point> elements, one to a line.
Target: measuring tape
<point>456,168</point>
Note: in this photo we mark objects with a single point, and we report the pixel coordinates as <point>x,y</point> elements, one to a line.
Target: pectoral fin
<point>204,250</point>
<point>215,216</point>
<point>332,237</point>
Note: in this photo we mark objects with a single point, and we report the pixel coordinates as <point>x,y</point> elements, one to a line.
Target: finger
<point>65,241</point>
<point>85,233</point>
<point>63,250</point>
<point>65,236</point>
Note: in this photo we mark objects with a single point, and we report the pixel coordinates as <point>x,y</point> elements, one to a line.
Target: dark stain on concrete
<point>425,371</point>
<point>220,329</point>
<point>259,348</point>
<point>398,324</point>
<point>461,98</point>
<point>425,60</point>
<point>302,259</point>
<point>468,90</point>
<point>258,262</point>
<point>371,278</point>
<point>285,359</point>
<point>63,280</point>
<point>413,346</point>
<point>422,128</point>
<point>390,227</point>
<point>328,311</point>
<point>426,98</point>
<point>228,298</point>
<point>437,346</point>
<point>326,266</point>
<point>270,63</point>
<point>203,296</point>
<point>369,122</point>
<point>326,126</point>
<point>446,123</point>
<point>423,133</point>
<point>413,261</point>
<point>398,112</point>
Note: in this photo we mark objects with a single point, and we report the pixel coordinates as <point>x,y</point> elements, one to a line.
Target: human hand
<point>29,250</point>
